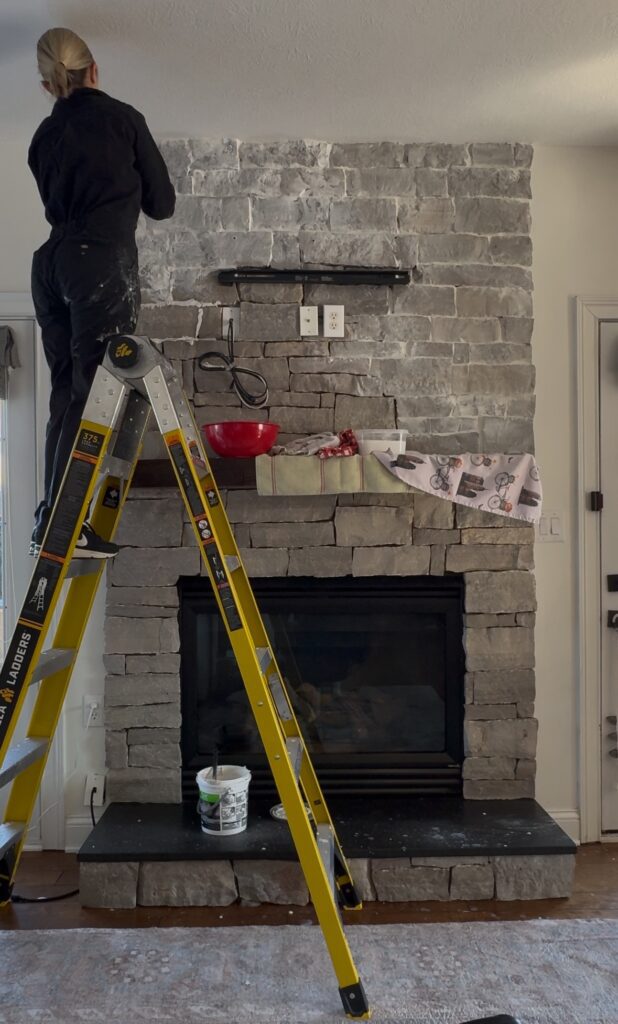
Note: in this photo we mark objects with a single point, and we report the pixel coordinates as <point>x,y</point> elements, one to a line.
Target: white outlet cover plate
<point>308,321</point>
<point>333,322</point>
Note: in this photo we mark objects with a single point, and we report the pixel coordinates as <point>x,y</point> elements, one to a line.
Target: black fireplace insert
<point>375,670</point>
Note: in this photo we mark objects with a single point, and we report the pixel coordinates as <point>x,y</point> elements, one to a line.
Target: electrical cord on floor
<point>16,898</point>
<point>228,362</point>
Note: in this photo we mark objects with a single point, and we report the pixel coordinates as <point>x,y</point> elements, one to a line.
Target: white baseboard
<point>76,831</point>
<point>569,821</point>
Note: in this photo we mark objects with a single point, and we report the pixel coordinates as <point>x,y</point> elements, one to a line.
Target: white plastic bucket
<point>381,441</point>
<point>224,801</point>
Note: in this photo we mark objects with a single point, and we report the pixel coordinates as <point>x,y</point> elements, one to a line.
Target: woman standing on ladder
<point>96,166</point>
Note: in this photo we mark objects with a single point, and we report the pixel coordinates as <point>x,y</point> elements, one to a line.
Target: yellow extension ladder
<point>134,379</point>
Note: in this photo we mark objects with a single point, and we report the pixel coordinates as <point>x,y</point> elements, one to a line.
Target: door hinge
<point>596,501</point>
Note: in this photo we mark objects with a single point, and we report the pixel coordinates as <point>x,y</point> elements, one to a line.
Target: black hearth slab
<point>397,827</point>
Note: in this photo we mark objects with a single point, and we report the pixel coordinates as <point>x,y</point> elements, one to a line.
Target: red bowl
<point>241,440</point>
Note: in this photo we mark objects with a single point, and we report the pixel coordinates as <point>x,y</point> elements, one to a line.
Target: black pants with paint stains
<point>83,291</point>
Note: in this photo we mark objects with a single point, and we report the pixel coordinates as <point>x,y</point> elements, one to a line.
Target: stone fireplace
<point>447,357</point>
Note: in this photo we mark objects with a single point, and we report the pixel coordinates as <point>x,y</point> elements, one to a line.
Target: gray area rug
<point>543,972</point>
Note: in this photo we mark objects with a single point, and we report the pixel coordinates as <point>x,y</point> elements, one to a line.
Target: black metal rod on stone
<point>346,275</point>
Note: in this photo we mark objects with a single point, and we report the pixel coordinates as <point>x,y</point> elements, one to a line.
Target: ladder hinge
<point>596,501</point>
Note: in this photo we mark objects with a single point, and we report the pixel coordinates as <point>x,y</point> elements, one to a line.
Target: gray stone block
<point>500,592</point>
<point>363,413</point>
<point>138,664</point>
<point>337,383</point>
<point>327,561</point>
<point>236,213</point>
<point>488,767</point>
<point>311,181</point>
<point>162,737</point>
<point>155,755</point>
<point>287,292</point>
<point>511,435</point>
<point>167,321</point>
<point>116,750</point>
<point>508,648</point>
<point>192,883</point>
<point>453,248</point>
<point>367,154</point>
<point>492,153</point>
<point>437,565</point>
<point>523,154</point>
<point>200,285</point>
<point>426,300</point>
<point>511,249</point>
<point>472,517</point>
<point>495,789</point>
<point>245,507</point>
<point>517,329</point>
<point>210,327</point>
<point>360,869</point>
<point>265,561</point>
<point>155,716</point>
<point>391,561</point>
<point>285,252</point>
<point>292,535</point>
<point>283,154</point>
<point>381,181</point>
<point>150,523</point>
<point>421,376</point>
<point>145,567</point>
<point>114,664</point>
<point>481,302</point>
<point>216,153</point>
<point>432,513</point>
<point>351,249</point>
<point>431,181</point>
<point>357,299</point>
<point>509,182</point>
<point>124,691</point>
<point>477,275</point>
<point>447,862</point>
<point>197,213</point>
<point>509,534</point>
<point>472,882</point>
<point>503,687</point>
<point>514,737</point>
<point>535,877</point>
<point>423,536</point>
<point>491,712</point>
<point>487,621</point>
<point>426,216</point>
<point>478,331</point>
<point>395,880</point>
<point>373,526</point>
<point>489,216</point>
<point>303,420</point>
<point>525,769</point>
<point>140,636</point>
<point>283,213</point>
<point>436,154</point>
<point>363,215</point>
<point>109,885</point>
<point>271,881</point>
<point>144,786</point>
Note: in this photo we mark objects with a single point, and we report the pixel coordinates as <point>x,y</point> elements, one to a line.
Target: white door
<point>608,449</point>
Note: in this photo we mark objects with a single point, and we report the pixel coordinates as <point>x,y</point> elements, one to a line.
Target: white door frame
<point>590,313</point>
<point>49,832</point>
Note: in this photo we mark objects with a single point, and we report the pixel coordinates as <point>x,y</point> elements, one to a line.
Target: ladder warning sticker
<point>15,671</point>
<point>184,472</point>
<point>111,498</point>
<point>204,528</point>
<point>69,506</point>
<point>41,590</point>
<point>89,442</point>
<point>211,494</point>
<point>223,586</point>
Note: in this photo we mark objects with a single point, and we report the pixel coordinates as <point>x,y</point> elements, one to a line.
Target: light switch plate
<point>550,529</point>
<point>308,321</point>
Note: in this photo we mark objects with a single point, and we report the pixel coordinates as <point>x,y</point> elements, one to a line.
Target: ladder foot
<point>355,1001</point>
<point>6,888</point>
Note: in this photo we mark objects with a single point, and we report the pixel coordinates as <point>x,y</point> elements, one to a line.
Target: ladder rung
<point>114,466</point>
<point>52,661</point>
<point>296,750</point>
<point>280,699</point>
<point>20,756</point>
<point>10,834</point>
<point>83,567</point>
<point>264,657</point>
<point>232,562</point>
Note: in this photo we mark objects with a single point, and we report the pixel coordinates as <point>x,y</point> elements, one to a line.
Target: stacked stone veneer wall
<point>448,358</point>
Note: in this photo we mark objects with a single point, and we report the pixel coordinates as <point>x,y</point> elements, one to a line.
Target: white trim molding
<point>590,313</point>
<point>569,822</point>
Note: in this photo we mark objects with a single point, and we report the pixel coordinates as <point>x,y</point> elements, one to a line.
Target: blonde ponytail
<point>63,59</point>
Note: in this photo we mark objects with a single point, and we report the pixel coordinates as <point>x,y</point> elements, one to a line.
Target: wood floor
<point>50,874</point>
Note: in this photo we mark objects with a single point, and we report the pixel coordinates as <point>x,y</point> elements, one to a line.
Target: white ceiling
<point>445,70</point>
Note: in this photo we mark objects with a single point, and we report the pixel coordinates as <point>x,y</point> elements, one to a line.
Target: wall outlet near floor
<point>333,322</point>
<point>92,710</point>
<point>96,781</point>
<point>308,321</point>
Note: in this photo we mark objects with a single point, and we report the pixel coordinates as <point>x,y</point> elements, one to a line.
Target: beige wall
<point>575,237</point>
<point>575,233</point>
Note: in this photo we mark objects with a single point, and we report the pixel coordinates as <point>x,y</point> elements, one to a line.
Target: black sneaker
<point>90,545</point>
<point>38,534</point>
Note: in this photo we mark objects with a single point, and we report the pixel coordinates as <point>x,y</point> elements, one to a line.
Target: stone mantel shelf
<point>231,474</point>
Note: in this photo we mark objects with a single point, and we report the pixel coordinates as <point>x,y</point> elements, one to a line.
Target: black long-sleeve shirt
<point>96,166</point>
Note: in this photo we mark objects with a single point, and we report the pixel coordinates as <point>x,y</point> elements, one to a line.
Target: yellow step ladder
<point>133,380</point>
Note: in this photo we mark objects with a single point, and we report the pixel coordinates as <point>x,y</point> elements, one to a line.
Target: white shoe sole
<point>88,553</point>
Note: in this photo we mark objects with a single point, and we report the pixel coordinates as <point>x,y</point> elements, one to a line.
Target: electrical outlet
<point>96,781</point>
<point>333,322</point>
<point>230,313</point>
<point>92,711</point>
<point>308,321</point>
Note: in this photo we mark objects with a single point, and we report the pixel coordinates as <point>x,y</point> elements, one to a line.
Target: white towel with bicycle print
<point>508,485</point>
